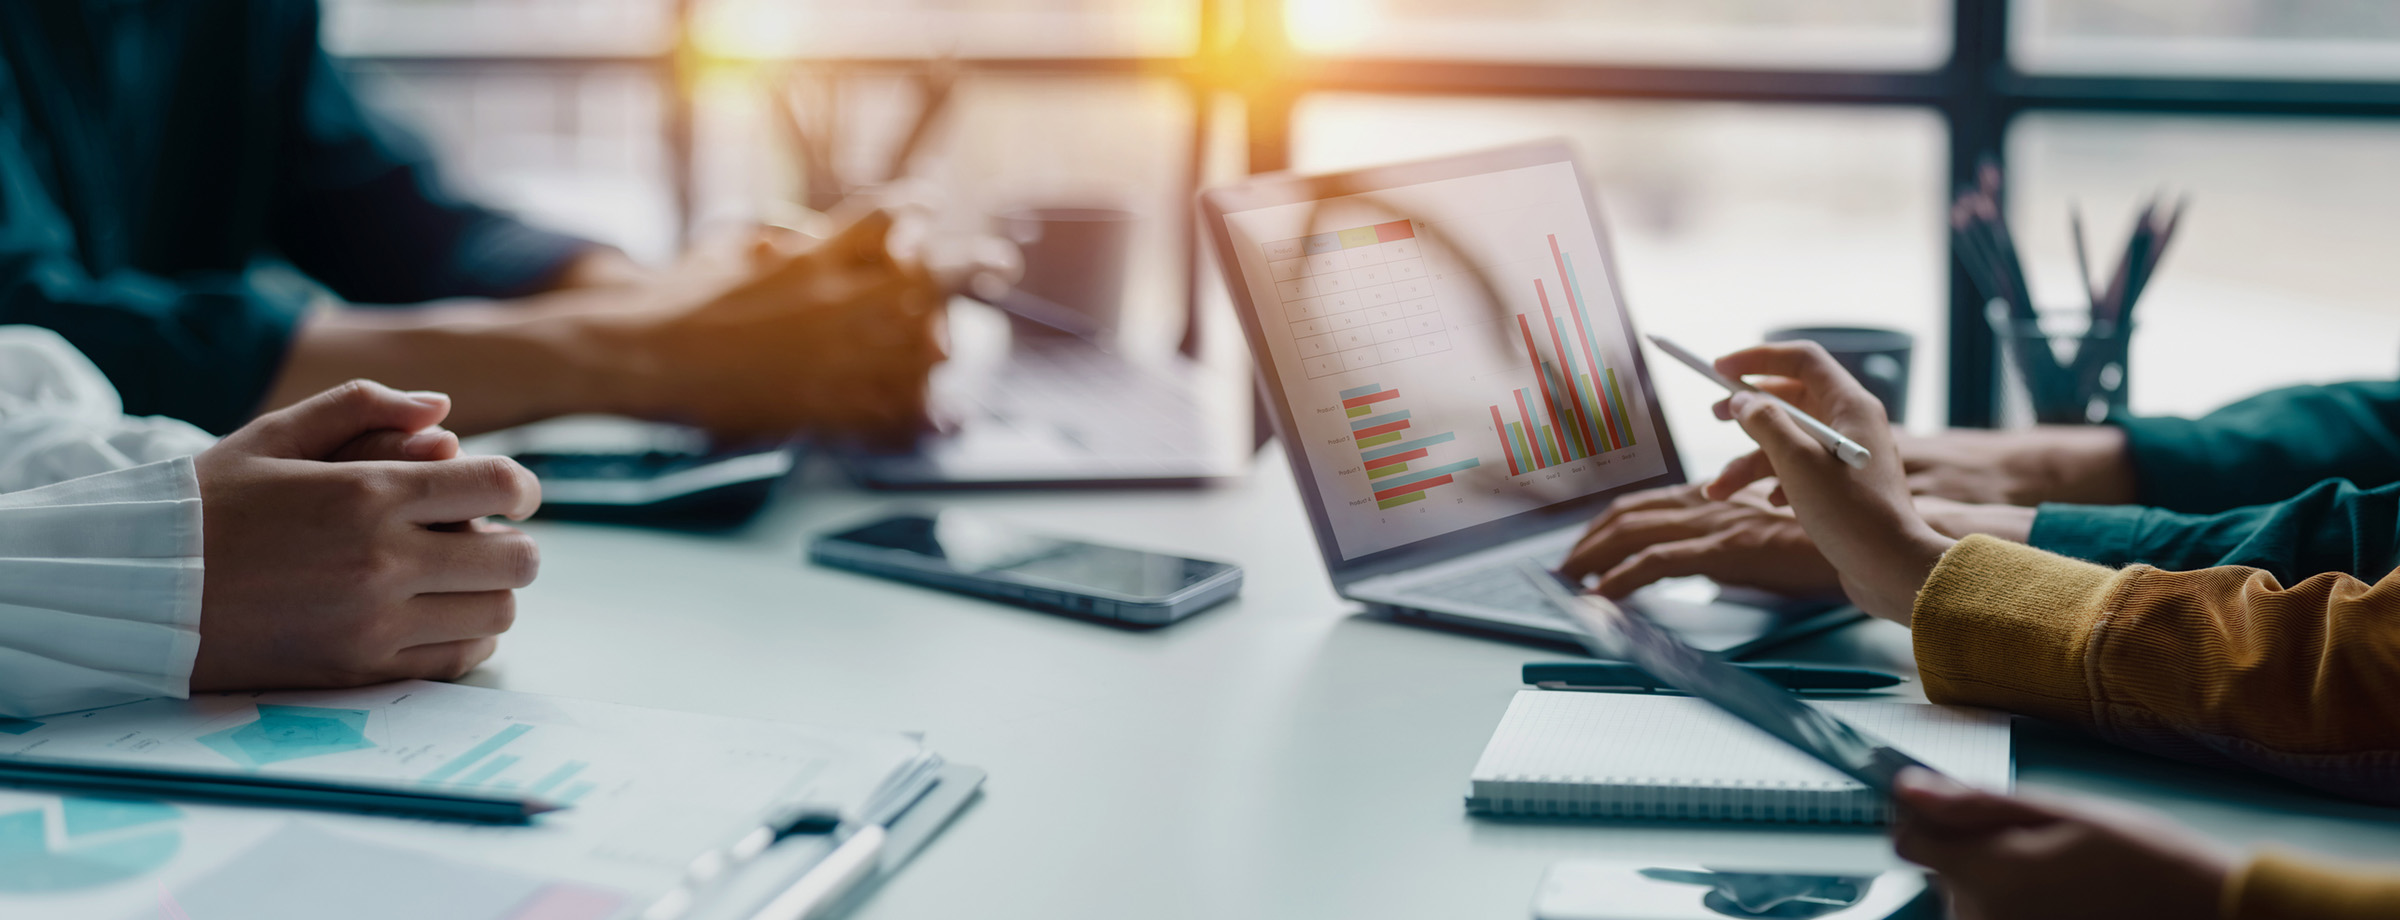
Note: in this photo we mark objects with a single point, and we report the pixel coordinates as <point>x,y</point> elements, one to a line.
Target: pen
<point>1620,675</point>
<point>254,789</point>
<point>1849,451</point>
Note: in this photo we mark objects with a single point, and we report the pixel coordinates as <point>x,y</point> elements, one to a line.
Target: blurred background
<point>1761,163</point>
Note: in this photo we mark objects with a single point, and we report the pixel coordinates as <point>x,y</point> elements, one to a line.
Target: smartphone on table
<point>978,556</point>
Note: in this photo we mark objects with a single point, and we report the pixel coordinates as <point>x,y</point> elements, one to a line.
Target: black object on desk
<point>1626,676</point>
<point>95,778</point>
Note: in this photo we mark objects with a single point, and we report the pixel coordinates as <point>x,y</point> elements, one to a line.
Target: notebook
<point>1625,755</point>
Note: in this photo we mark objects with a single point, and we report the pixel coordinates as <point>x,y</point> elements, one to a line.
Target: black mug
<point>1877,357</point>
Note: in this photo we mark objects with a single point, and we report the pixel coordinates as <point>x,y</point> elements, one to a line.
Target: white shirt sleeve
<point>100,538</point>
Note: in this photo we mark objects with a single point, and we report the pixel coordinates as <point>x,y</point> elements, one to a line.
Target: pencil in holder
<point>2067,368</point>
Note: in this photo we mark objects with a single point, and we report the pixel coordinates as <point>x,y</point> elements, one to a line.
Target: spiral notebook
<point>1630,755</point>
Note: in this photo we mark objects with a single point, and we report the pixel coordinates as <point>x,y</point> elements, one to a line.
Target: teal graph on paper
<point>450,771</point>
<point>291,733</point>
<point>101,841</point>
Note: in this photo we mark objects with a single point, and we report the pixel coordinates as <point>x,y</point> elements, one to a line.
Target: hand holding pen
<point>1861,518</point>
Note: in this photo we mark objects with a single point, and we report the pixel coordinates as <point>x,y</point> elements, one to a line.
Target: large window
<point>1762,162</point>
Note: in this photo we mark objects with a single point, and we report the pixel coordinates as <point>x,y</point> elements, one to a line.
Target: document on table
<point>651,790</point>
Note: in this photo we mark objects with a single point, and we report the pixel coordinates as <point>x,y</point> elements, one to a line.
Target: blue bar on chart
<point>444,772</point>
<point>1405,446</point>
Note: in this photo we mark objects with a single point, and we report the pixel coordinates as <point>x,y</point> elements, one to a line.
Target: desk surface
<point>1278,756</point>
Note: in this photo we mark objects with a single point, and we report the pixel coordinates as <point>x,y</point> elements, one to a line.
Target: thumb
<point>316,427</point>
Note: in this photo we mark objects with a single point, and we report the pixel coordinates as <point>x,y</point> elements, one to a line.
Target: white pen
<point>1850,452</point>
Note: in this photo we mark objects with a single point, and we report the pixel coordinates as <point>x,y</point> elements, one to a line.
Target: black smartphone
<point>972,555</point>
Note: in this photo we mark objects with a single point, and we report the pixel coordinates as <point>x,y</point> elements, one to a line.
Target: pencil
<point>254,789</point>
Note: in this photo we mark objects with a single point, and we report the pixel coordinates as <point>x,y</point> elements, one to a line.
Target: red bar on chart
<point>1577,428</point>
<point>1380,429</point>
<point>1419,486</point>
<point>1620,427</point>
<point>1527,417</point>
<point>1404,457</point>
<point>1394,230</point>
<point>1357,401</point>
<point>1541,375</point>
<point>1500,430</point>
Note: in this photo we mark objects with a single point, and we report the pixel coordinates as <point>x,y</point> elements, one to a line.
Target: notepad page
<point>1655,740</point>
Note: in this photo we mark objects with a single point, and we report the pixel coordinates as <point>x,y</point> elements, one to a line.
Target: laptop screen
<point>1418,407</point>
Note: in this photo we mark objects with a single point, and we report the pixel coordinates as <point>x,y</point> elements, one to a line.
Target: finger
<point>1944,804</point>
<point>1682,496</point>
<point>1627,534</point>
<point>1738,475</point>
<point>1664,560</point>
<point>863,240</point>
<point>441,660</point>
<point>314,428</point>
<point>1788,449</point>
<point>466,488</point>
<point>449,562</point>
<point>458,615</point>
<point>393,444</point>
<point>1778,499</point>
<point>1803,361</point>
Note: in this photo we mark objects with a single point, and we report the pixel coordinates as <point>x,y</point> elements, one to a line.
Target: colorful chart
<point>290,733</point>
<point>1381,431</point>
<point>98,841</point>
<point>1579,410</point>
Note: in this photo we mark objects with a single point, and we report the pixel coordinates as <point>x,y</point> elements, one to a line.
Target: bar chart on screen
<point>1575,409</point>
<point>1389,443</point>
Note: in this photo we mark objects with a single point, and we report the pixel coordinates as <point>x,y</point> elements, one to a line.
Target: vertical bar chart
<point>1388,444</point>
<point>1576,395</point>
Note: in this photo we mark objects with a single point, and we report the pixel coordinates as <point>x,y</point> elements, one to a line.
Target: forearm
<point>2222,665</point>
<point>502,363</point>
<point>2330,527</point>
<point>2265,448</point>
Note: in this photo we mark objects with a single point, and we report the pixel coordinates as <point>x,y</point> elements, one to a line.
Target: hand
<point>1674,531</point>
<point>322,574</point>
<point>1861,519</point>
<point>2021,858</point>
<point>2053,463</point>
<point>839,338</point>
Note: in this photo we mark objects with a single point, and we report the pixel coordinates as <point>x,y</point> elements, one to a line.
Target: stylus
<point>1850,452</point>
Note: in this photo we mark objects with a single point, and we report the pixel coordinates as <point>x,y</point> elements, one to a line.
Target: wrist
<point>1959,520</point>
<point>2082,464</point>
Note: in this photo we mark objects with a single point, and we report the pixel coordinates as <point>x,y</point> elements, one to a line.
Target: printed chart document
<point>651,791</point>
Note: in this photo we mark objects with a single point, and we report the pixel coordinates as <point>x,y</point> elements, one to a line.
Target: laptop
<point>1447,360</point>
<point>1067,413</point>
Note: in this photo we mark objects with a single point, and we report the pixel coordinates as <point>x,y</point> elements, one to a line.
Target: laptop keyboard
<point>1499,586</point>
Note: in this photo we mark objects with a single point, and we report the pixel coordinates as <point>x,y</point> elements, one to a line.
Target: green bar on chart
<point>1382,471</point>
<point>1390,503</point>
<point>1384,438</point>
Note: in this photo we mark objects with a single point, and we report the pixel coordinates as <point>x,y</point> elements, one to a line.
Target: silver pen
<point>1849,451</point>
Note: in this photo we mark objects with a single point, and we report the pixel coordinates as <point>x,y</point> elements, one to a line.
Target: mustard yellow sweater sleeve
<point>2220,665</point>
<point>2277,886</point>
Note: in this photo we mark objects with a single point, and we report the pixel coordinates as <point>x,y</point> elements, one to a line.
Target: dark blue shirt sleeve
<point>361,208</point>
<point>2333,526</point>
<point>2267,448</point>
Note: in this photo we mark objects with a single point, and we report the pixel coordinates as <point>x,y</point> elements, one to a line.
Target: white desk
<point>1278,756</point>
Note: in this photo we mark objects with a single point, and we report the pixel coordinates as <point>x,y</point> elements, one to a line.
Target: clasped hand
<point>341,546</point>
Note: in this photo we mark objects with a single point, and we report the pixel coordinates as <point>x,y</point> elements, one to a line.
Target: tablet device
<point>1615,632</point>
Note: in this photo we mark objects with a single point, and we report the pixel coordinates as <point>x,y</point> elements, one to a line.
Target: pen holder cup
<point>2061,368</point>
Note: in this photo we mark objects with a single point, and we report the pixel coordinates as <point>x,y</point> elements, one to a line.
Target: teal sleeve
<point>2267,448</point>
<point>2333,526</point>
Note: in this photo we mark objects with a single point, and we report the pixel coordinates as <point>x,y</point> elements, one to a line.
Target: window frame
<point>1978,91</point>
